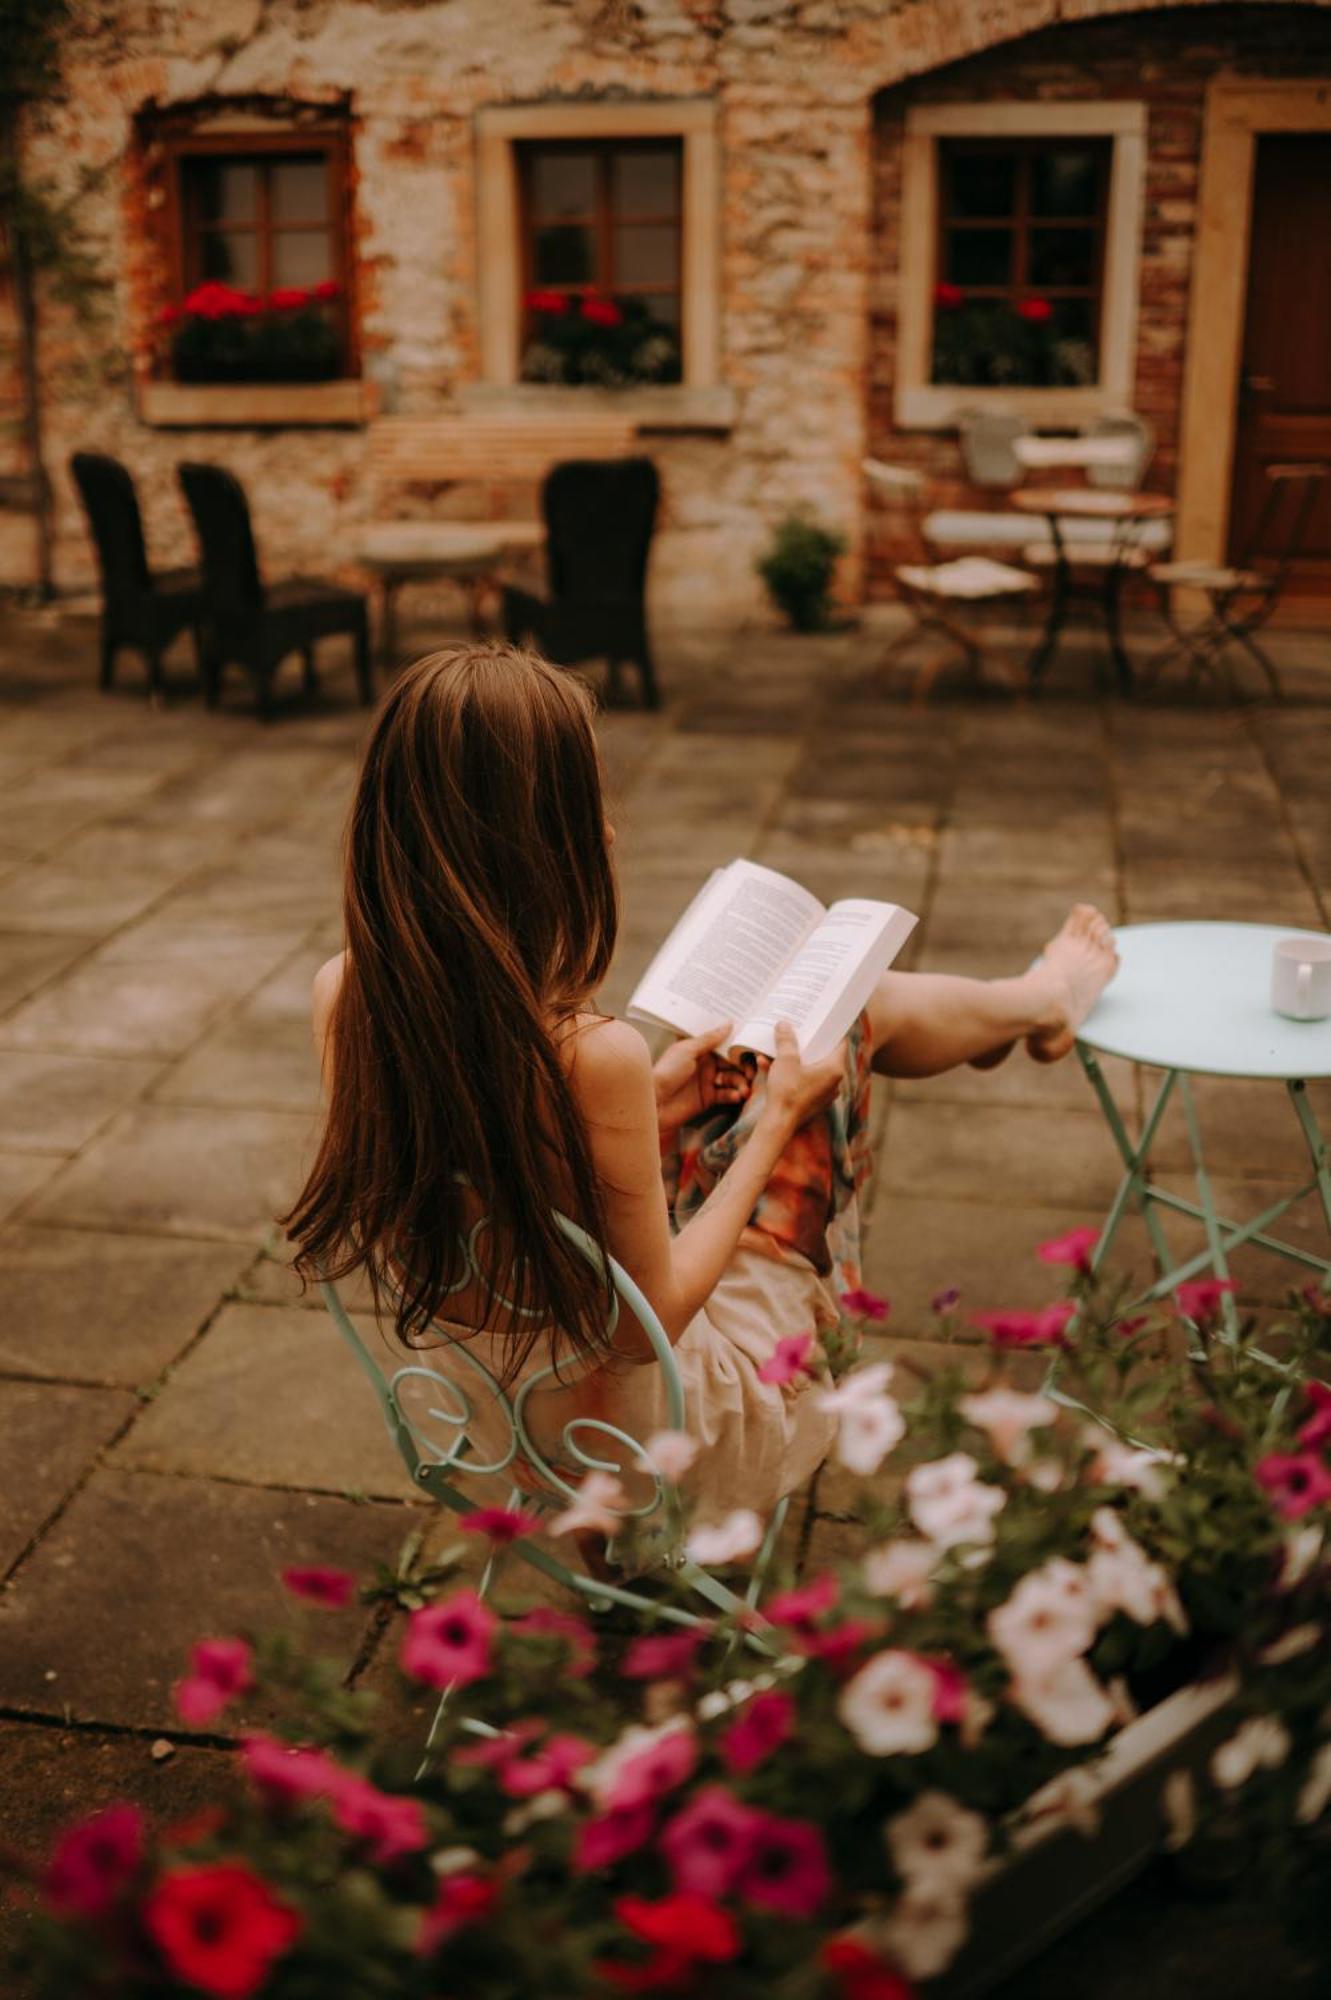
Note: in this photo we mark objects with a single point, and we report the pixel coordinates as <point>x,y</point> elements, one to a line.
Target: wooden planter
<point>1055,1876</point>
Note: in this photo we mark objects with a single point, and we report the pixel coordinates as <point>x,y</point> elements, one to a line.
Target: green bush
<point>797,570</point>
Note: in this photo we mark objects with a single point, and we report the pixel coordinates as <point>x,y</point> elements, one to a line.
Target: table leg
<point>1058,604</point>
<point>388,625</point>
<point>1133,1187</point>
<point>1215,1241</point>
<point>1317,1147</point>
<point>1113,586</point>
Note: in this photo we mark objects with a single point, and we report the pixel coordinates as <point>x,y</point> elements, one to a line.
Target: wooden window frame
<point>603,219</point>
<point>500,129</point>
<point>921,403</point>
<point>1023,224</point>
<point>262,143</point>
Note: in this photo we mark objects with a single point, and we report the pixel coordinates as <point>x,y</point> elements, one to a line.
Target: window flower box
<point>218,334</point>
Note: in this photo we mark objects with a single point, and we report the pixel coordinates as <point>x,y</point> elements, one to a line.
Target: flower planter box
<point>1055,1875</point>
<point>274,405</point>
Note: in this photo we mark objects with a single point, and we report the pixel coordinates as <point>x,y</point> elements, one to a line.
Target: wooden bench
<point>497,451</point>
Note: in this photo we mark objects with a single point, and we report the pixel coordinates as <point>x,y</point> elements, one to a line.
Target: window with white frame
<point>1020,242</point>
<point>600,252</point>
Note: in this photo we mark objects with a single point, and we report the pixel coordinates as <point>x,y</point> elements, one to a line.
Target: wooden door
<point>1284,413</point>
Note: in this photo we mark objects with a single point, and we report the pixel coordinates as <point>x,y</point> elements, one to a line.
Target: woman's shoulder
<point>608,1065</point>
<point>324,992</point>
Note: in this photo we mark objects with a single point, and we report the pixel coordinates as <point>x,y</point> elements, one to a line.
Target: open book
<point>755,948</point>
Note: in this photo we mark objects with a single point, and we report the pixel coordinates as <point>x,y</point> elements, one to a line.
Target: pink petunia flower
<point>951,1688</point>
<point>501,1525</point>
<point>285,1774</point>
<point>709,1842</point>
<point>1046,1328</point>
<point>320,1584</point>
<point>646,1765</point>
<point>865,1305</point>
<point>219,1928</point>
<point>552,1768</point>
<point>788,1360</point>
<point>1316,1431</point>
<point>389,1826</point>
<point>671,1453</point>
<point>839,1649</point>
<point>665,1655</point>
<point>1296,1482</point>
<point>786,1869</point>
<point>447,1644</point>
<point>596,1508</point>
<point>762,1726</point>
<point>462,1899</point>
<point>799,1609</point>
<point>612,1834</point>
<point>544,1622</point>
<point>95,1860</point>
<point>220,1671</point>
<point>1076,1248</point>
<point>1201,1299</point>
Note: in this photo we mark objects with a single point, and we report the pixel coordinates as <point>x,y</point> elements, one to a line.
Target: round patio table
<point>1193,999</point>
<point>1129,513</point>
<point>422,551</point>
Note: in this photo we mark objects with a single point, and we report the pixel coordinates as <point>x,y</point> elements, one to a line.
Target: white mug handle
<point>1303,990</point>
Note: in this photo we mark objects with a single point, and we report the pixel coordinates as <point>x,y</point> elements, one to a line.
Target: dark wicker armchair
<point>599,516</point>
<point>139,609</point>
<point>251,624</point>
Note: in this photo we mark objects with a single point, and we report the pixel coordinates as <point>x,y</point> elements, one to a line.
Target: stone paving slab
<point>187,1171</point>
<point>56,896</point>
<point>55,1103</point>
<point>21,1176</point>
<point>98,1623</point>
<point>274,1398</point>
<point>128,1007</point>
<point>48,1433</point>
<point>104,1308</point>
<point>263,1055</point>
<point>973,1151</point>
<point>28,959</point>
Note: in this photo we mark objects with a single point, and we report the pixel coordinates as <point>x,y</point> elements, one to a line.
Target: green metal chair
<point>433,1418</point>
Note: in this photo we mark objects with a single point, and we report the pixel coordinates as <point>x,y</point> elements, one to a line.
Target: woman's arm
<point>612,1080</point>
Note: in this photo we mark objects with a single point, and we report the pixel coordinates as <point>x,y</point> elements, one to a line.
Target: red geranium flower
<point>685,1932</point>
<point>220,1928</point>
<point>289,298</point>
<point>1037,311</point>
<point>602,312</point>
<point>93,1861</point>
<point>327,288</point>
<point>948,297</point>
<point>217,301</point>
<point>553,303</point>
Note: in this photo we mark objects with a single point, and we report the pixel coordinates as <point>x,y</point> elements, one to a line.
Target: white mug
<point>1301,978</point>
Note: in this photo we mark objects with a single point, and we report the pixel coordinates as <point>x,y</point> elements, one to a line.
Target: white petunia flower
<point>671,1453</point>
<point>1178,1804</point>
<point>862,1385</point>
<point>599,1780</point>
<point>901,1569</point>
<point>870,1429</point>
<point>1302,1548</point>
<point>1007,1417</point>
<point>1049,1619</point>
<point>1133,1466</point>
<point>1291,1645</point>
<point>732,1540</point>
<point>1315,1796</point>
<point>454,1860</point>
<point>1122,1576</point>
<point>924,1933</point>
<point>949,1504</point>
<point>1262,1742</point>
<point>595,1508</point>
<point>888,1706</point>
<point>545,1805</point>
<point>937,1844</point>
<point>1069,1706</point>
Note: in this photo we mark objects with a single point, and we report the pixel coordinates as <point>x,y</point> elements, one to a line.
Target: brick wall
<point>1165,60</point>
<point>803,162</point>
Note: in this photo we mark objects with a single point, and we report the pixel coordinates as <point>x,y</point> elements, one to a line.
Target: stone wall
<point>1164,60</point>
<point>795,82</point>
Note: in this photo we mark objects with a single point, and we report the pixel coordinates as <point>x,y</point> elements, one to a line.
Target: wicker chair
<point>139,609</point>
<point>248,623</point>
<point>599,517</point>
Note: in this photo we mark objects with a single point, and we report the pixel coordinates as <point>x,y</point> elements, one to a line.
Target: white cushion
<point>957,528</point>
<point>970,576</point>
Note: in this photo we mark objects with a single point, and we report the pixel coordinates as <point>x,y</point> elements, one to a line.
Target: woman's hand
<point>797,1090</point>
<point>691,1077</point>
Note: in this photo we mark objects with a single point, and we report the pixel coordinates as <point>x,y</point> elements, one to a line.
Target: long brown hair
<point>480,911</point>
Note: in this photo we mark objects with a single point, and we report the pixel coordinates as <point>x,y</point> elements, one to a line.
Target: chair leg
<point>360,639</point>
<point>107,663</point>
<point>309,674</point>
<point>153,655</point>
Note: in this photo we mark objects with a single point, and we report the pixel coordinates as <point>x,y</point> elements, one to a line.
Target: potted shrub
<point>798,569</point>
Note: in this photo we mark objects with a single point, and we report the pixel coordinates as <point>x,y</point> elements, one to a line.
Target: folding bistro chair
<point>140,608</point>
<point>1242,597</point>
<point>452,1422</point>
<point>937,593</point>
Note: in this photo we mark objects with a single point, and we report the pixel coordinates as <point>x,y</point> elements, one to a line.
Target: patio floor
<point>176,1423</point>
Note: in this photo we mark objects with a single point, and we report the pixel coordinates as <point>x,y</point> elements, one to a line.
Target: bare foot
<point>993,1057</point>
<point>1076,966</point>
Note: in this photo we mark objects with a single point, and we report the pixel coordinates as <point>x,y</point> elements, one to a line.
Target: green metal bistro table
<point>1194,1000</point>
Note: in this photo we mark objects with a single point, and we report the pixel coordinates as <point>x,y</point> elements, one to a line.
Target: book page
<point>726,949</point>
<point>830,978</point>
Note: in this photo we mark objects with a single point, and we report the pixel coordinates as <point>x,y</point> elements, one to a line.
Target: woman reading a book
<point>469,1074</point>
